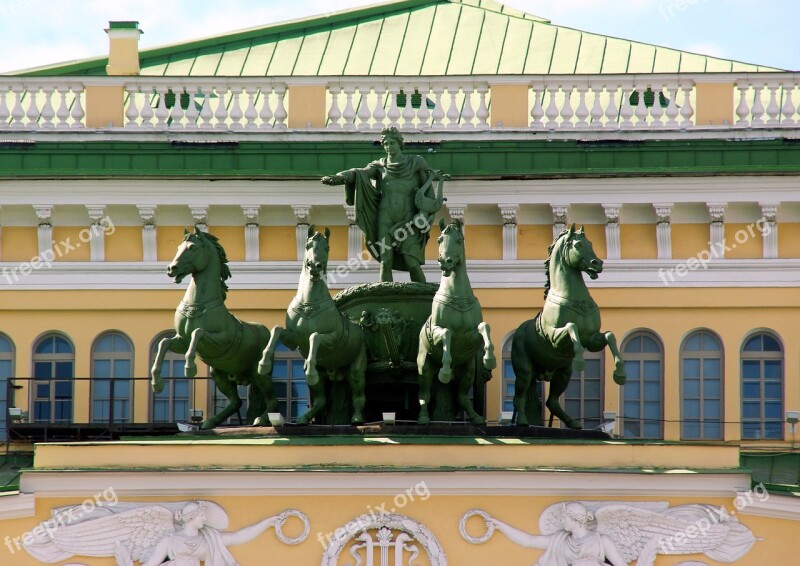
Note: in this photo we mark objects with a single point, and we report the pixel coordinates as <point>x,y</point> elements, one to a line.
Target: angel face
<point>576,516</point>
<point>193,515</point>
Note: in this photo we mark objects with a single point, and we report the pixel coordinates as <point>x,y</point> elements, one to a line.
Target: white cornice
<point>781,506</point>
<point>483,274</point>
<point>322,482</point>
<point>14,506</point>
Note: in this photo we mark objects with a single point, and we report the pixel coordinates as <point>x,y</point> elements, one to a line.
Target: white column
<point>1,238</point>
<point>44,212</point>
<point>97,241</point>
<point>769,229</point>
<point>612,230</point>
<point>509,213</point>
<point>200,215</point>
<point>664,230</point>
<point>353,233</point>
<point>716,211</point>
<point>457,211</point>
<point>147,213</point>
<point>559,218</point>
<point>252,248</point>
<point>301,214</point>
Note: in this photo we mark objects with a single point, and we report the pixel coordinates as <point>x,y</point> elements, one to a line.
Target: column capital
<point>200,215</point>
<point>769,211</point>
<point>663,212</point>
<point>251,212</point>
<point>96,212</point>
<point>559,213</point>
<point>350,211</point>
<point>43,212</point>
<point>147,212</point>
<point>716,210</point>
<point>612,213</point>
<point>457,211</point>
<point>302,213</point>
<point>509,212</point>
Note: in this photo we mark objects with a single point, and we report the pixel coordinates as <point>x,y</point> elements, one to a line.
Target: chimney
<point>123,48</point>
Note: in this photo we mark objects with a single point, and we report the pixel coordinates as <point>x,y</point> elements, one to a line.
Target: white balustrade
<point>463,103</point>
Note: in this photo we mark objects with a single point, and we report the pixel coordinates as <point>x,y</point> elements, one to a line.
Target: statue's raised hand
<point>337,179</point>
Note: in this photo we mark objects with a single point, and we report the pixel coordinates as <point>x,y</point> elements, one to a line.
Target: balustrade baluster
<point>788,109</point>
<point>146,114</point>
<point>687,111</point>
<point>221,112</point>
<point>641,107</point>
<point>612,110</point>
<point>266,115</point>
<point>161,111</point>
<point>131,112</point>
<point>5,113</point>
<point>47,113</point>
<point>250,113</point>
<point>552,109</point>
<point>467,113</point>
<point>280,109</point>
<point>192,113</point>
<point>408,109</point>
<point>672,111</point>
<point>379,114</point>
<point>176,113</point>
<point>364,113</point>
<point>33,108</point>
<point>235,113</point>
<point>334,113</point>
<point>394,109</point>
<point>566,110</point>
<point>757,110</point>
<point>597,108</point>
<point>537,111</point>
<point>582,112</point>
<point>62,114</point>
<point>438,110</point>
<point>773,110</point>
<point>423,114</point>
<point>17,113</point>
<point>77,112</point>
<point>349,113</point>
<point>483,111</point>
<point>743,109</point>
<point>452,110</point>
<point>656,111</point>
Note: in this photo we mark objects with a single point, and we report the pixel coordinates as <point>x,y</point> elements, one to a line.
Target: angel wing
<point>137,531</point>
<point>642,532</point>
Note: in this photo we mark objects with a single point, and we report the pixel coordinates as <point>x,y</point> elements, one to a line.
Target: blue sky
<point>40,32</point>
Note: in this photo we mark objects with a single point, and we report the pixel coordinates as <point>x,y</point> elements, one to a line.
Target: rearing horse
<point>330,343</point>
<point>455,331</point>
<point>550,346</point>
<point>204,327</point>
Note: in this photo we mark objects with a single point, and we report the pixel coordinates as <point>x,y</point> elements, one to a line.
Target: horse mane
<point>550,249</point>
<point>224,270</point>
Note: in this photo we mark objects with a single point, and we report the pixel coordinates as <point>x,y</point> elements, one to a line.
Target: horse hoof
<point>312,378</point>
<point>490,363</point>
<point>303,420</point>
<point>620,377</point>
<point>190,371</point>
<point>423,420</point>
<point>208,425</point>
<point>577,365</point>
<point>258,421</point>
<point>478,420</point>
<point>357,421</point>
<point>445,377</point>
<point>264,369</point>
<point>574,424</point>
<point>157,387</point>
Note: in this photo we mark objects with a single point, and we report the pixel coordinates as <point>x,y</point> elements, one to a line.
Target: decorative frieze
<point>612,212</point>
<point>251,233</point>
<point>509,212</point>
<point>147,212</point>
<point>664,229</point>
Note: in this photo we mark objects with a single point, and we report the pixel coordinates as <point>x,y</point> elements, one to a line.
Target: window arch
<point>762,387</point>
<point>643,394</point>
<point>112,370</point>
<point>583,398</point>
<point>6,372</point>
<point>702,379</point>
<point>53,373</point>
<point>172,404</point>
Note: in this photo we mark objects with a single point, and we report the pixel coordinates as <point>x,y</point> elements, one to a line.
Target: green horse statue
<point>550,347</point>
<point>454,333</point>
<point>204,327</point>
<point>332,345</point>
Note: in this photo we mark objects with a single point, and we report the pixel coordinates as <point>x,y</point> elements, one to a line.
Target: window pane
<point>280,369</point>
<point>773,410</point>
<point>650,346</point>
<point>63,370</point>
<point>102,389</point>
<point>63,390</point>
<point>772,369</point>
<point>693,343</point>
<point>591,389</point>
<point>652,369</point>
<point>751,369</point>
<point>691,388</point>
<point>712,388</point>
<point>62,346</point>
<point>691,367</point>
<point>181,387</point>
<point>45,346</point>
<point>631,391</point>
<point>105,344</point>
<point>102,368</point>
<point>751,431</point>
<point>753,344</point>
<point>691,430</point>
<point>712,367</point>
<point>691,409</point>
<point>712,410</point>
<point>751,410</point>
<point>773,390</point>
<point>751,390</point>
<point>634,345</point>
<point>122,368</point>
<point>297,369</point>
<point>632,369</point>
<point>770,344</point>
<point>42,370</point>
<point>5,369</point>
<point>710,343</point>
<point>5,345</point>
<point>652,390</point>
<point>712,430</point>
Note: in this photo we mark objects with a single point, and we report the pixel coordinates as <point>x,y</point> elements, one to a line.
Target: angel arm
<point>247,534</point>
<point>612,553</point>
<point>520,537</point>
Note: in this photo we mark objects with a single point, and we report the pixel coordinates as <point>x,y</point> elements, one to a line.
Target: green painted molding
<point>527,159</point>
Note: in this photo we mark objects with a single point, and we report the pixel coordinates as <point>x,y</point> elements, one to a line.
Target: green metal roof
<point>412,37</point>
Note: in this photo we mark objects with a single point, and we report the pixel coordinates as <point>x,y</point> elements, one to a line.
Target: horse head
<point>191,256</point>
<point>577,252</point>
<point>451,246</point>
<point>318,246</point>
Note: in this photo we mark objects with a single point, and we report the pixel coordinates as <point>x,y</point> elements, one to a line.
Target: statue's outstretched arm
<point>247,534</point>
<point>520,537</point>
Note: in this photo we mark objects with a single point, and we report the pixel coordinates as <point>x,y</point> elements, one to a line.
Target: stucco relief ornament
<point>183,533</point>
<point>596,533</point>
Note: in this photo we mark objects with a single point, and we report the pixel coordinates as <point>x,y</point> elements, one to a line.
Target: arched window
<point>701,387</point>
<point>509,379</point>
<point>53,373</point>
<point>112,370</point>
<point>6,373</point>
<point>762,387</point>
<point>172,404</point>
<point>583,398</point>
<point>289,380</point>
<point>642,395</point>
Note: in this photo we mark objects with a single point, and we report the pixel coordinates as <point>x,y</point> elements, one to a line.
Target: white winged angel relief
<point>596,533</point>
<point>180,533</point>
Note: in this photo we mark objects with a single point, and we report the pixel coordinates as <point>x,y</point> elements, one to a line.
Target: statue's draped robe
<point>366,198</point>
<point>566,551</point>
